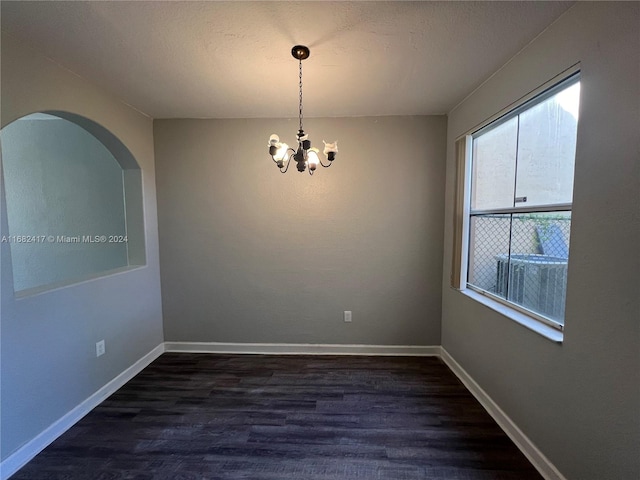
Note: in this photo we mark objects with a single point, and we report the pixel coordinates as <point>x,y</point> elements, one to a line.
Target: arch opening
<point>73,194</point>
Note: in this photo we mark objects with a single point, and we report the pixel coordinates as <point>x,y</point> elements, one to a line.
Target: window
<point>514,204</point>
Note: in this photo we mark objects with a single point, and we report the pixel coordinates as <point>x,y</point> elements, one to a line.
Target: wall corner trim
<point>29,450</point>
<point>524,444</point>
<point>302,349</point>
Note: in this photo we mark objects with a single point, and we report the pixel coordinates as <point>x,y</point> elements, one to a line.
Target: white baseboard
<point>24,454</point>
<point>526,446</point>
<point>302,349</point>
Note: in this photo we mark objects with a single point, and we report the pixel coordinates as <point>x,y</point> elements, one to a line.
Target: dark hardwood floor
<point>202,416</point>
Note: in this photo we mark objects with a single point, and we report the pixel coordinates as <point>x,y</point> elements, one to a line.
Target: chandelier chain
<point>300,111</point>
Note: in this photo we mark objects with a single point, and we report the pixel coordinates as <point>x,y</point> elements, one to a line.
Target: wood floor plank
<point>203,416</point>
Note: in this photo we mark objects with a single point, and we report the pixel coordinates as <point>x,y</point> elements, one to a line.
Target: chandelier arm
<point>325,166</point>
<point>285,168</point>
<point>288,160</point>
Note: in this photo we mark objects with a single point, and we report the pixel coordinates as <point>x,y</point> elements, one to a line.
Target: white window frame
<point>463,212</point>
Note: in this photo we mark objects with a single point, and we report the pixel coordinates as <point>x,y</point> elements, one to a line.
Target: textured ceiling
<point>208,59</point>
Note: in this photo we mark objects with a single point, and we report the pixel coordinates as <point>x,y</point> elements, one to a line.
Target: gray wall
<point>579,402</point>
<point>251,255</point>
<point>48,340</point>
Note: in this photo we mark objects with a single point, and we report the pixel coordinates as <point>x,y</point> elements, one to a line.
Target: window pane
<point>494,167</point>
<point>547,149</point>
<point>538,263</point>
<point>488,241</point>
<point>522,258</point>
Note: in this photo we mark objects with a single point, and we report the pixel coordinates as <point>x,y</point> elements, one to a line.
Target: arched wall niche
<point>74,201</point>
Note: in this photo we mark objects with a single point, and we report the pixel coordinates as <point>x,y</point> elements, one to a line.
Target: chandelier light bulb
<point>312,159</point>
<point>281,152</point>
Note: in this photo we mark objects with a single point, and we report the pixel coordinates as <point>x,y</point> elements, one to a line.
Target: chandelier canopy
<point>305,156</point>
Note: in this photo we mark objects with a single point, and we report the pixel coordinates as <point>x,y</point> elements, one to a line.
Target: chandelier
<point>305,156</point>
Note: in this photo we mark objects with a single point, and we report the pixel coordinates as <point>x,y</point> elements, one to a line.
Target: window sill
<point>532,324</point>
<point>32,292</point>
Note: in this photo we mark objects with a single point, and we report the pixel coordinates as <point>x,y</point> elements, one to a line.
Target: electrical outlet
<point>100,348</point>
<point>347,315</point>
